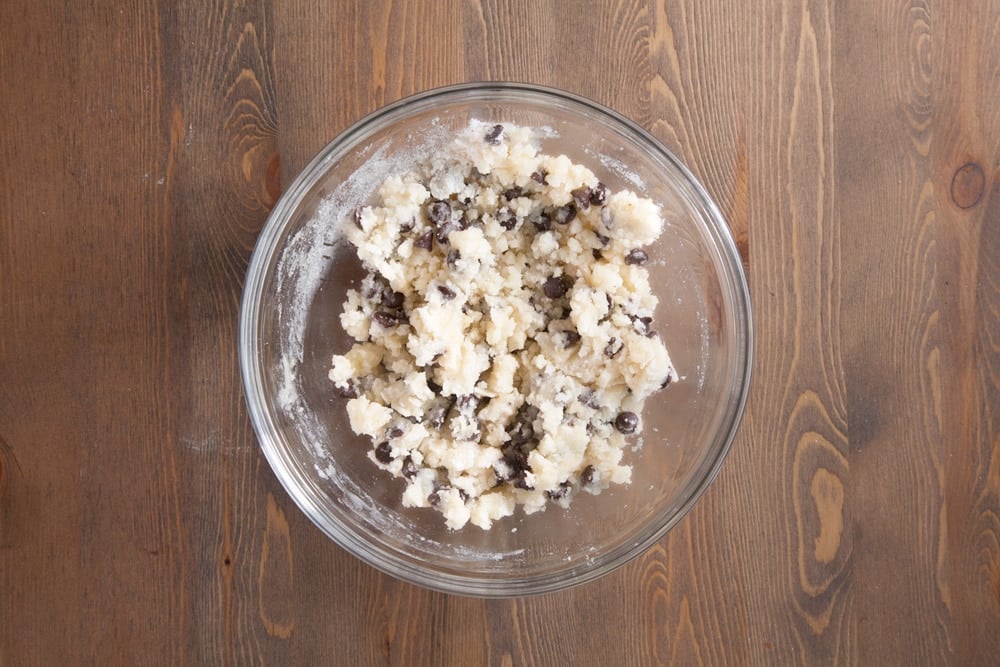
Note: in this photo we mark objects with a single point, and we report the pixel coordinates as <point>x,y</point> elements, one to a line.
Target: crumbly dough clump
<point>504,332</point>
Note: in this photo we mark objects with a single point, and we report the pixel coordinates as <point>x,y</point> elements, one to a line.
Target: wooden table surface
<point>854,148</point>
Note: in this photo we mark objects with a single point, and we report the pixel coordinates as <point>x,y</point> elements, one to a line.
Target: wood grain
<point>967,224</point>
<point>891,337</point>
<point>236,537</point>
<point>854,149</point>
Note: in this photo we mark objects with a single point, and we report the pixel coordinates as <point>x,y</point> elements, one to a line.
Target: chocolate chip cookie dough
<point>504,331</point>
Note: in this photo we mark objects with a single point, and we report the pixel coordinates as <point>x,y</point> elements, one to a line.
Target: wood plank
<point>799,591</point>
<point>883,168</point>
<point>696,102</point>
<point>40,404</point>
<point>222,178</point>
<point>86,327</point>
<point>965,160</point>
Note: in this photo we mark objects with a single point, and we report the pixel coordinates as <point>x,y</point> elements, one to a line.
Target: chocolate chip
<point>494,135</point>
<point>565,214</point>
<point>393,299</point>
<point>387,320</point>
<point>570,338</point>
<point>543,222</point>
<point>522,430</point>
<point>443,231</point>
<point>599,194</point>
<point>636,257</point>
<point>453,257</point>
<point>394,432</point>
<point>467,403</point>
<point>407,226</point>
<point>439,212</point>
<point>613,347</point>
<point>516,457</point>
<point>447,292</point>
<point>606,219</point>
<point>627,422</point>
<point>598,255</point>
<point>642,325</point>
<point>383,453</point>
<point>587,476</point>
<point>582,197</point>
<point>555,287</point>
<point>425,240</point>
<point>539,177</point>
<point>502,471</point>
<point>516,453</point>
<point>605,240</point>
<point>469,219</point>
<point>409,468</point>
<point>436,415</point>
<point>521,482</point>
<point>349,390</point>
<point>514,466</point>
<point>558,493</point>
<point>357,217</point>
<point>506,218</point>
<point>434,386</point>
<point>589,399</point>
<point>513,193</point>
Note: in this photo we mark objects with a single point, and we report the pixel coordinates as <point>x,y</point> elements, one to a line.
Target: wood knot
<point>828,493</point>
<point>967,185</point>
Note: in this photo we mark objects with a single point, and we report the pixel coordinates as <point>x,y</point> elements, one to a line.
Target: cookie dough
<point>504,331</point>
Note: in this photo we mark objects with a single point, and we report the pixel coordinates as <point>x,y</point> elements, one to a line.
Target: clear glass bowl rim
<point>266,250</point>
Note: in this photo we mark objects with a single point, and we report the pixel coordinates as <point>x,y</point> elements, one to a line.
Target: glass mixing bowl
<point>290,329</point>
